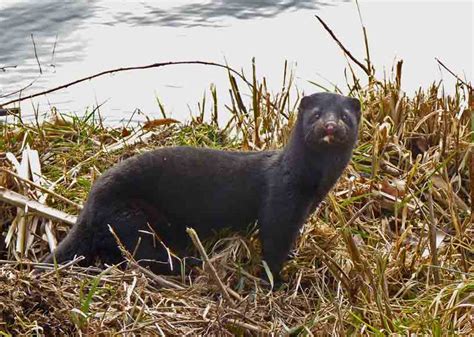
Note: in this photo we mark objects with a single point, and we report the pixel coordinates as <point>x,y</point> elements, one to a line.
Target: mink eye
<point>345,117</point>
<point>317,115</point>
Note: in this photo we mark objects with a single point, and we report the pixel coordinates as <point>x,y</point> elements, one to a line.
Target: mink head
<point>329,120</point>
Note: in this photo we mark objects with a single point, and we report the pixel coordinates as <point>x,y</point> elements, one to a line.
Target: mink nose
<point>330,127</point>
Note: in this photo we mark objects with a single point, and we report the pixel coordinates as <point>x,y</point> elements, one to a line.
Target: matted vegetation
<point>389,251</point>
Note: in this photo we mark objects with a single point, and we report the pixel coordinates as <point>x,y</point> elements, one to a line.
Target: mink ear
<point>355,105</point>
<point>305,102</point>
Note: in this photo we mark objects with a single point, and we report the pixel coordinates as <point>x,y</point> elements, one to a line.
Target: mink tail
<point>76,243</point>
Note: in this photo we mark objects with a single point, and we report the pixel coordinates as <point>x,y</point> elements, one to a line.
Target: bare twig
<point>358,213</point>
<point>452,73</point>
<point>132,262</point>
<point>192,233</point>
<point>157,278</point>
<point>63,266</point>
<point>19,90</point>
<point>344,49</point>
<point>149,66</point>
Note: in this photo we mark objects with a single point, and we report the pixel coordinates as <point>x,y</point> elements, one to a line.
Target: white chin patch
<point>328,139</point>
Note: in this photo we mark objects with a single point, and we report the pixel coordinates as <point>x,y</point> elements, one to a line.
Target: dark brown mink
<point>172,188</point>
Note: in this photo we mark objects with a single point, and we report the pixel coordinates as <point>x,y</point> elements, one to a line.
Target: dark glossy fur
<point>178,187</point>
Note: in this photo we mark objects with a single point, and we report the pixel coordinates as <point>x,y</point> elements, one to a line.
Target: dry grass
<point>389,251</point>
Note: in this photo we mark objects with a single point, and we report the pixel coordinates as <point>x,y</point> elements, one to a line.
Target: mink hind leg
<point>138,229</point>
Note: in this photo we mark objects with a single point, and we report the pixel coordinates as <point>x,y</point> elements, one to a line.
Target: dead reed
<point>389,251</point>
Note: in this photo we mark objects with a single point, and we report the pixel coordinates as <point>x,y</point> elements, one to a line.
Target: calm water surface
<point>79,38</point>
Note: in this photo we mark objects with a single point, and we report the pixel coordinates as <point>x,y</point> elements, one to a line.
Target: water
<point>74,39</point>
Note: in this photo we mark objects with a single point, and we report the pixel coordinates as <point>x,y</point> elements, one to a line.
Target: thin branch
<point>452,73</point>
<point>358,213</point>
<point>110,71</point>
<point>157,278</point>
<point>63,266</point>
<point>19,90</point>
<point>344,49</point>
<point>197,243</point>
<point>129,257</point>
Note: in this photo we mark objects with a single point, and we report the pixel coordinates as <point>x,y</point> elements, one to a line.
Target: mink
<point>150,199</point>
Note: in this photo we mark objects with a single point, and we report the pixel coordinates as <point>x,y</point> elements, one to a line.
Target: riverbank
<point>390,249</point>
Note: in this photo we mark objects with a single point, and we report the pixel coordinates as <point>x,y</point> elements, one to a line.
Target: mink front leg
<point>282,216</point>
